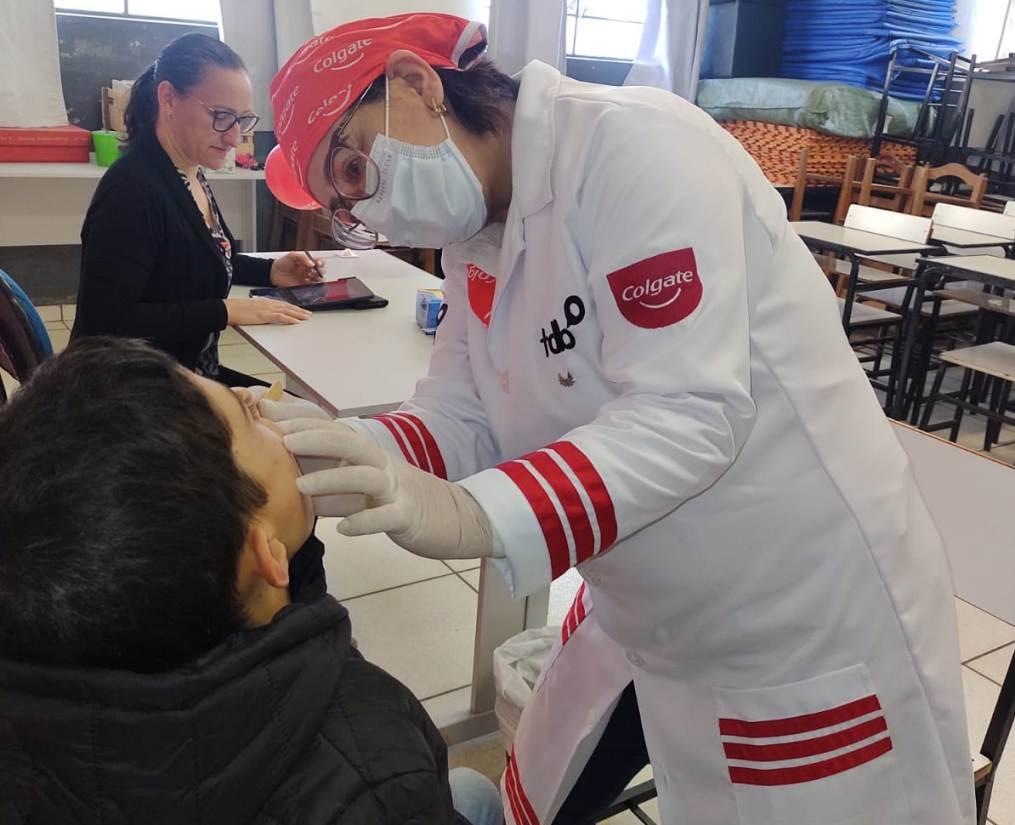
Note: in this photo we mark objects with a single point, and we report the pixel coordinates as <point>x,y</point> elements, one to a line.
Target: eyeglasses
<point>355,177</point>
<point>222,120</point>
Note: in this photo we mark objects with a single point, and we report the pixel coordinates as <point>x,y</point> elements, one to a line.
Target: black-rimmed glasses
<point>222,120</point>
<point>355,177</point>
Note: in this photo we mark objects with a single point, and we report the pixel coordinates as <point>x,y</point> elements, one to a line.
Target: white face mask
<point>428,195</point>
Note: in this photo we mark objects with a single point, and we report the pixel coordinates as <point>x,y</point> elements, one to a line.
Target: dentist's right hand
<point>374,492</point>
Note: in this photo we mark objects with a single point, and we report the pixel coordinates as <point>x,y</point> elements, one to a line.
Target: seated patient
<point>158,664</point>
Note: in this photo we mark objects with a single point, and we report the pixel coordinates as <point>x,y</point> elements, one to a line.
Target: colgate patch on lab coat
<point>482,286</point>
<point>659,291</point>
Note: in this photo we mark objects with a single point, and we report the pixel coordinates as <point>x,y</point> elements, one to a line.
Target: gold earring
<point>438,108</point>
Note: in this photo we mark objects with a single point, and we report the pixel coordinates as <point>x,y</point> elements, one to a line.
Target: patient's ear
<point>268,554</point>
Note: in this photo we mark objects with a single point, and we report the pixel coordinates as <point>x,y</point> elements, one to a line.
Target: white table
<point>44,204</point>
<point>965,239</point>
<point>357,363</point>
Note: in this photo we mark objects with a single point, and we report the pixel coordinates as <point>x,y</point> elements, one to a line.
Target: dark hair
<point>476,96</point>
<point>122,514</point>
<point>183,63</point>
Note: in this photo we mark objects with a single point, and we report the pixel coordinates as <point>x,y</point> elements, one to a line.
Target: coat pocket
<point>817,752</point>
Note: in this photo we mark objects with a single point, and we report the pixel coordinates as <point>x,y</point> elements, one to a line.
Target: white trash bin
<point>516,667</point>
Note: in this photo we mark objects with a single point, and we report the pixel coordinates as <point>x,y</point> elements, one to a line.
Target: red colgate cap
<point>330,72</point>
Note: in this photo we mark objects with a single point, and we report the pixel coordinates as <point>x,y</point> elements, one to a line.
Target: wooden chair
<point>806,179</point>
<point>925,198</point>
<point>868,190</point>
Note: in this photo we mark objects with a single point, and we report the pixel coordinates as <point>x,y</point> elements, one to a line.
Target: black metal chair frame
<point>941,124</point>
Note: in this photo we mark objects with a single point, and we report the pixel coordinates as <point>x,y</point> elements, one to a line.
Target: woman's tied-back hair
<point>183,63</point>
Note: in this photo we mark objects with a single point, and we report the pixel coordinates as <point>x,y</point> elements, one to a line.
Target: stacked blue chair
<point>851,41</point>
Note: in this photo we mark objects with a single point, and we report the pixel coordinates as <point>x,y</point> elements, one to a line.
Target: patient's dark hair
<point>122,514</point>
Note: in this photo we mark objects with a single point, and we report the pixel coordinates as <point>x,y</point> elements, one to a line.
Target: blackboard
<point>94,51</point>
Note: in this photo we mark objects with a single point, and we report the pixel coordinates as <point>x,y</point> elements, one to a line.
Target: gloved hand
<point>420,512</point>
<point>288,408</point>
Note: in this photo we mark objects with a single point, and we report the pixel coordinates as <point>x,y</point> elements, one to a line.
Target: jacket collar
<point>153,152</point>
<point>534,138</point>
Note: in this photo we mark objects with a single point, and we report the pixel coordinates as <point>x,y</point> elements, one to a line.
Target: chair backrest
<point>37,333</point>
<point>974,220</point>
<point>885,222</point>
<point>1009,208</point>
<point>861,185</point>
<point>14,336</point>
<point>924,197</point>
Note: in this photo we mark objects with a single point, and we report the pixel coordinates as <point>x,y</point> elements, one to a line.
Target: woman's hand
<point>256,311</point>
<point>295,269</point>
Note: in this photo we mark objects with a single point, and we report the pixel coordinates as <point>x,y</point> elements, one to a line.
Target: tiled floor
<point>416,617</point>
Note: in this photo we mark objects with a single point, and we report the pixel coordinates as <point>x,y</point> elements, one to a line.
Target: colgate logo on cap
<point>285,119</point>
<point>331,105</point>
<point>659,291</point>
<point>482,286</point>
<point>340,59</point>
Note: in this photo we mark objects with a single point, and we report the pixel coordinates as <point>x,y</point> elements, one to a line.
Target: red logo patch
<point>659,291</point>
<point>482,286</point>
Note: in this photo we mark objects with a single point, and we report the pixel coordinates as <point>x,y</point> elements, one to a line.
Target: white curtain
<point>525,30</point>
<point>671,44</point>
<point>31,92</point>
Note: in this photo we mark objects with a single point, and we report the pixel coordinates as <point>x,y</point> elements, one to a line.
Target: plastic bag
<point>517,665</point>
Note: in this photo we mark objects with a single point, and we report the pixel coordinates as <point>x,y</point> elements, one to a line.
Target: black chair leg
<point>935,394</point>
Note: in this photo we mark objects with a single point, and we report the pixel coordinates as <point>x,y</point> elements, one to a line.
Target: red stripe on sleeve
<point>594,485</point>
<point>812,772</point>
<point>397,435</point>
<point>546,514</point>
<point>433,451</point>
<point>414,441</point>
<point>800,724</point>
<point>570,500</point>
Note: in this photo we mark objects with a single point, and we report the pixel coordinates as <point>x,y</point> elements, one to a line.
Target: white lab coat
<point>646,376</point>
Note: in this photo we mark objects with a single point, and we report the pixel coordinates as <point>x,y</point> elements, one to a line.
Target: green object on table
<point>107,147</point>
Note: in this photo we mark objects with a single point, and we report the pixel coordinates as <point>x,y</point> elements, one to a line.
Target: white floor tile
<point>981,696</point>
<point>55,325</point>
<point>59,339</point>
<point>70,312</point>
<point>422,634</point>
<point>980,632</point>
<point>472,577</point>
<point>50,313</point>
<point>448,704</point>
<point>367,564</point>
<point>994,665</point>
<point>246,359</point>
<point>464,564</point>
<point>230,336</point>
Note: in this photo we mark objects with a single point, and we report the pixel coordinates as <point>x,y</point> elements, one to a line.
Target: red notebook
<point>56,144</point>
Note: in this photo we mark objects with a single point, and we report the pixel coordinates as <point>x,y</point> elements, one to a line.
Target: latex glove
<point>288,409</point>
<point>420,512</point>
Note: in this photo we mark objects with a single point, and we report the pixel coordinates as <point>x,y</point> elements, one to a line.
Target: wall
<point>94,51</point>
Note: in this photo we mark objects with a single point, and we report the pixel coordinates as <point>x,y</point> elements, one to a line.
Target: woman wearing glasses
<point>157,257</point>
<point>641,373</point>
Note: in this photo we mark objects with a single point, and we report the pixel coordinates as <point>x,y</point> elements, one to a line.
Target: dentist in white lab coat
<point>641,372</point>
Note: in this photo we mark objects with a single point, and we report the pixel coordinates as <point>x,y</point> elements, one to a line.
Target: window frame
<point>571,42</point>
<point>126,14</point>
